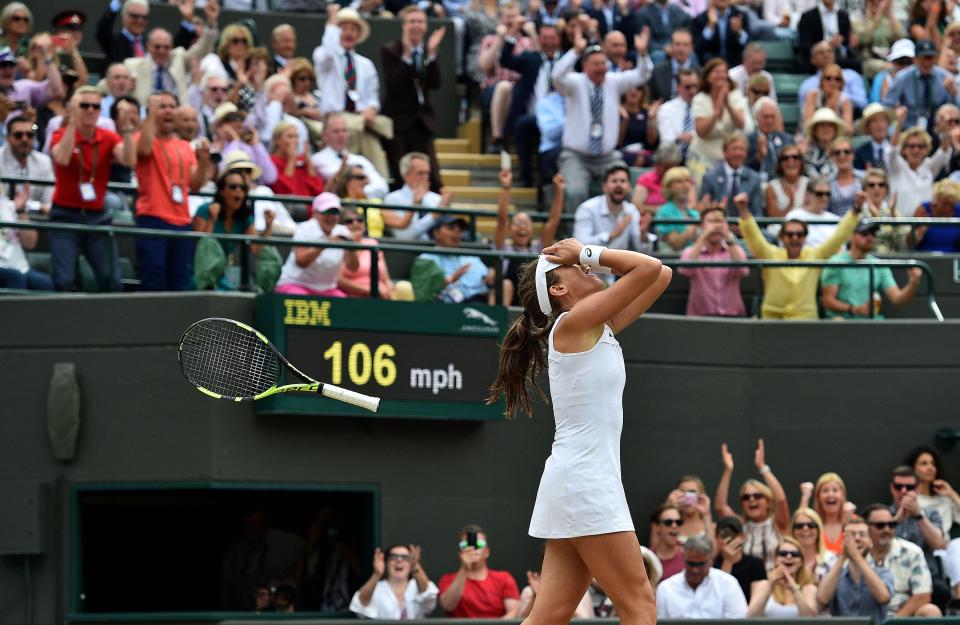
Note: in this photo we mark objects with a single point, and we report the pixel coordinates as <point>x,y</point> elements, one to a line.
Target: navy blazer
<point>627,24</point>
<point>863,157</point>
<point>707,49</point>
<point>715,183</point>
<point>769,164</point>
<point>810,32</point>
<point>649,16</point>
<point>662,80</point>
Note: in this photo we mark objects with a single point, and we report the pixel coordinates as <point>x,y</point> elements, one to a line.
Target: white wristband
<point>590,256</point>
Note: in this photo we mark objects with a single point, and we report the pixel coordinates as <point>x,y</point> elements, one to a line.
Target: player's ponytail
<point>522,356</point>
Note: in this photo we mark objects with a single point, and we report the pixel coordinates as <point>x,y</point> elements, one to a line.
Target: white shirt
<point>594,221</point>
<point>327,162</point>
<point>383,603</point>
<point>740,78</point>
<point>577,91</point>
<point>322,274</point>
<point>39,165</point>
<point>913,186</point>
<point>670,119</point>
<point>818,234</point>
<point>421,223</point>
<point>829,20</point>
<point>11,250</point>
<point>718,596</point>
<point>329,62</point>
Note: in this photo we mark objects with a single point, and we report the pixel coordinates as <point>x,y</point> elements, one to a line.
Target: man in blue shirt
<point>821,55</point>
<point>853,587</point>
<point>466,278</point>
<point>922,89</point>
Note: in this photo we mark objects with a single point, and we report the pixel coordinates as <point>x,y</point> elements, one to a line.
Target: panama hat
<point>238,159</point>
<point>351,15</point>
<point>824,116</point>
<point>872,110</point>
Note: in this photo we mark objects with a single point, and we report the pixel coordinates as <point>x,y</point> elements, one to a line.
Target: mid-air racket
<point>227,359</point>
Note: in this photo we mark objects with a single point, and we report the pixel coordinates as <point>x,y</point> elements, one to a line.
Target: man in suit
<point>283,46</point>
<point>721,31</point>
<point>166,68</point>
<point>729,178</point>
<point>410,74</point>
<point>663,85</point>
<point>875,123</point>
<point>827,22</point>
<point>766,141</point>
<point>663,18</point>
<point>613,15</point>
<point>119,45</point>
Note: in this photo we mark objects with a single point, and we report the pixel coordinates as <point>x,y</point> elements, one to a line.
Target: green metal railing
<point>245,241</point>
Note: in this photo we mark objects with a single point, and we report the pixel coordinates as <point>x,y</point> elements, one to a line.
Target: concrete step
<point>457,177</point>
<point>518,195</point>
<point>444,146</point>
<point>466,159</point>
<point>472,131</point>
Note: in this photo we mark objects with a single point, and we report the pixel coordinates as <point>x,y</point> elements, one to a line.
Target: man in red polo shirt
<point>82,156</point>
<point>167,171</point>
<point>476,591</point>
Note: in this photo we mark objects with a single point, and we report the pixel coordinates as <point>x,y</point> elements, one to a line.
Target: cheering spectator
<point>912,583</point>
<point>945,203</point>
<point>666,522</point>
<point>334,157</point>
<point>356,282</point>
<point>26,93</point>
<point>16,21</point>
<point>690,496</point>
<point>890,238</point>
<point>214,90</point>
<point>754,61</point>
<point>855,586</point>
<point>451,279</point>
<point>701,591</point>
<point>720,32</point>
<point>830,502</point>
<point>638,126</point>
<point>648,193</point>
<point>316,270</point>
<point>410,74</point>
<point>875,33</point>
<point>767,142</point>
<point>911,169</point>
<point>276,104</point>
<point>665,82</point>
<point>845,184</point>
<point>847,290</point>
<point>405,224</point>
<point>399,587</point>
<point>828,23</point>
<point>67,37</point>
<point>231,134</point>
<point>230,61</point>
<point>718,110</point>
<point>295,171</point>
<point>715,291</point>
<point>283,223</point>
<point>349,184</point>
<point>283,46</point>
<point>821,130</point>
<point>520,228</point>
<point>789,592</point>
<point>127,42</point>
<point>928,20</point>
<point>18,158</point>
<point>922,89</point>
<point>900,58</point>
<point>476,591</point>
<point>350,84</point>
<point>592,99</point>
<point>934,492</point>
<point>15,271</point>
<point>921,526</point>
<point>82,156</point>
<point>165,68</point>
<point>230,212</point>
<point>666,21</point>
<point>185,122</point>
<point>875,122</point>
<point>119,82</point>
<point>788,190</point>
<point>730,180</point>
<point>764,504</point>
<point>608,219</point>
<point>749,571</point>
<point>830,95</point>
<point>821,55</point>
<point>306,97</point>
<point>498,81</point>
<point>807,528</point>
<point>678,191</point>
<point>615,47</point>
<point>167,169</point>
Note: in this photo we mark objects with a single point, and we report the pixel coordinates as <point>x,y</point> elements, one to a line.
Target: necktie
<point>722,27</point>
<point>137,47</point>
<point>350,79</point>
<point>596,127</point>
<point>877,156</point>
<point>417,62</point>
<point>771,155</point>
<point>734,187</point>
<point>159,86</point>
<point>927,95</point>
<point>687,127</point>
<point>549,75</point>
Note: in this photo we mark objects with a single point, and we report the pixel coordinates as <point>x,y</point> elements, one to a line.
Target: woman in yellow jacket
<point>791,292</point>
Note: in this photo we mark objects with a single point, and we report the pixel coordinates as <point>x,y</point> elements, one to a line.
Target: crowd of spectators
<point>706,559</point>
<point>582,93</point>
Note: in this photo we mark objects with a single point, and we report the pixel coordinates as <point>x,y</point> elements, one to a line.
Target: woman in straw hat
<point>823,127</point>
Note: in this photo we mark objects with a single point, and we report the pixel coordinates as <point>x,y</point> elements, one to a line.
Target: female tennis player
<point>581,509</point>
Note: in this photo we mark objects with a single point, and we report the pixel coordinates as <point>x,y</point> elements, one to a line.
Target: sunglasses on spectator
<point>791,157</point>
<point>90,105</point>
<point>953,121</point>
<point>754,496</point>
<point>19,18</point>
<point>404,557</point>
<point>805,525</point>
<point>694,565</point>
<point>238,40</point>
<point>822,194</point>
<point>876,185</point>
<point>349,221</point>
<point>902,486</point>
<point>671,522</point>
<point>843,152</point>
<point>358,177</point>
<point>788,553</point>
<point>759,92</point>
<point>20,134</point>
<point>793,234</point>
<point>885,525</point>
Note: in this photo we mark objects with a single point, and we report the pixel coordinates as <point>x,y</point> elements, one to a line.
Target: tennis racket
<point>229,360</point>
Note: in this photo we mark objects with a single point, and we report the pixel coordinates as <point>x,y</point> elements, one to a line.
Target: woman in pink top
<point>356,282</point>
<point>648,194</point>
<point>666,521</point>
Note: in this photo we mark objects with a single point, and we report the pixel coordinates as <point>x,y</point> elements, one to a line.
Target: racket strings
<point>227,359</point>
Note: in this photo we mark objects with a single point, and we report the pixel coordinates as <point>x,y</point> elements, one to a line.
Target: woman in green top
<point>16,21</point>
<point>677,183</point>
<point>231,211</point>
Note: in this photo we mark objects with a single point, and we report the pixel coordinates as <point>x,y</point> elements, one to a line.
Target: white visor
<point>543,296</point>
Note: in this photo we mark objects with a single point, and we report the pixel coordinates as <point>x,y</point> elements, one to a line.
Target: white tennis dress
<point>581,493</point>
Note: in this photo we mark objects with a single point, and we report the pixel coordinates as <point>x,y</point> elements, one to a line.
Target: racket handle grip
<point>351,397</point>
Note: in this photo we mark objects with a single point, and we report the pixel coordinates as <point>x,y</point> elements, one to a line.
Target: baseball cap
<point>7,56</point>
<point>326,202</point>
<point>925,47</point>
<point>865,227</point>
<point>901,49</point>
<point>447,220</point>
